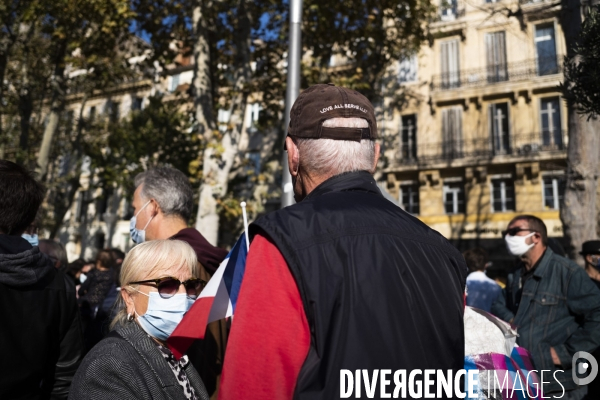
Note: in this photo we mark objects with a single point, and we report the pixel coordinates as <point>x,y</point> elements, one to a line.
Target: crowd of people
<point>342,280</point>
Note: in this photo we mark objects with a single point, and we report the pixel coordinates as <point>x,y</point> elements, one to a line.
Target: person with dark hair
<point>107,309</point>
<point>73,270</point>
<point>552,302</point>
<point>56,251</point>
<point>163,202</point>
<point>92,294</point>
<point>481,290</point>
<point>40,337</point>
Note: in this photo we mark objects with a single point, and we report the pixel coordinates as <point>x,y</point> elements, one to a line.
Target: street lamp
<point>293,89</point>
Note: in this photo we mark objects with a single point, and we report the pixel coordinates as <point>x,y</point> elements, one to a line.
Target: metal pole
<point>293,89</point>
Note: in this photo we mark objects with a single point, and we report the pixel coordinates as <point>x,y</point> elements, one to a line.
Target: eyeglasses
<point>169,286</point>
<point>514,231</point>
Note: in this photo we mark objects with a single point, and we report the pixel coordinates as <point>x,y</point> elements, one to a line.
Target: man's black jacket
<point>381,290</point>
<point>40,331</point>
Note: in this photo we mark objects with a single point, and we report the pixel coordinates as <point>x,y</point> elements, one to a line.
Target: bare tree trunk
<point>56,107</point>
<point>578,210</point>
<point>206,221</point>
<point>25,95</point>
<point>7,40</point>
<point>64,192</point>
<point>216,166</point>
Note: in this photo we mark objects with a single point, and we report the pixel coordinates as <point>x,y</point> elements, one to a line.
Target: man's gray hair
<point>170,188</point>
<point>328,157</point>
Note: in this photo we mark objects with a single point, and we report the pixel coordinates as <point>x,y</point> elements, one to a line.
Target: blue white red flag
<point>217,300</point>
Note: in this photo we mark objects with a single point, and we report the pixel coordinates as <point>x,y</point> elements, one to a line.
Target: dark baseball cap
<point>590,247</point>
<point>325,101</point>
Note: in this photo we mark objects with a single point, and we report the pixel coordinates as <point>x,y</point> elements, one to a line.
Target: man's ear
<point>154,207</point>
<point>293,156</point>
<point>377,154</point>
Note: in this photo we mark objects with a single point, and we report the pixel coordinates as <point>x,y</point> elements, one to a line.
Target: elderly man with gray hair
<point>344,281</point>
<point>163,202</point>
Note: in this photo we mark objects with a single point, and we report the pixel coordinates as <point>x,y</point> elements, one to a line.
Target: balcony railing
<point>497,73</point>
<point>450,12</point>
<point>546,142</point>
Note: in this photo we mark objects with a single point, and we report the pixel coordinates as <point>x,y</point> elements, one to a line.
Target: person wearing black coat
<point>40,332</point>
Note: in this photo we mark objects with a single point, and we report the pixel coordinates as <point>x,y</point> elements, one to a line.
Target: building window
<point>452,146</point>
<point>136,103</point>
<point>223,117</point>
<point>69,119</point>
<point>551,126</point>
<point>495,45</point>
<point>448,10</point>
<point>499,128</point>
<point>174,82</point>
<point>255,110</point>
<point>545,46</point>
<point>503,195</point>
<point>408,137</point>
<point>409,198</point>
<point>454,197</point>
<point>113,111</point>
<point>253,168</point>
<point>407,69</point>
<point>554,189</point>
<point>92,114</point>
<point>450,65</point>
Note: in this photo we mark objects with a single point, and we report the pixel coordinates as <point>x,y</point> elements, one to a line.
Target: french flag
<point>217,300</point>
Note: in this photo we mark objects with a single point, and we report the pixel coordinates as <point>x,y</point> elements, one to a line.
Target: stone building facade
<point>484,136</point>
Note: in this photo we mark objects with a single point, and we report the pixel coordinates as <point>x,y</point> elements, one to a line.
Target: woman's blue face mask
<point>163,315</point>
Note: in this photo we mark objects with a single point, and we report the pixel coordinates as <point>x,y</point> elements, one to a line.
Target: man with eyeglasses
<point>554,305</point>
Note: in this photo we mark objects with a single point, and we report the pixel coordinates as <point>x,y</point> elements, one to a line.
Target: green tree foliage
<point>45,43</point>
<point>370,34</point>
<point>159,134</point>
<point>582,72</point>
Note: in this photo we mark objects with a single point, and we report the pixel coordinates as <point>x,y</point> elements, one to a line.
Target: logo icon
<point>584,367</point>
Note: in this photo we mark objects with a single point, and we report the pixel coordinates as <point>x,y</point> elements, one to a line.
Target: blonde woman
<point>158,286</point>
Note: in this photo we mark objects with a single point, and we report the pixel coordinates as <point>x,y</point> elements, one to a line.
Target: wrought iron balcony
<point>498,73</point>
<point>546,142</point>
<point>450,11</point>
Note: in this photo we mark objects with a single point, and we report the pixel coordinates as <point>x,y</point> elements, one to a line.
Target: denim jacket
<point>559,308</point>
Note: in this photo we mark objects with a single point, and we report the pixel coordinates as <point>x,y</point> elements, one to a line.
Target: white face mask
<point>517,245</point>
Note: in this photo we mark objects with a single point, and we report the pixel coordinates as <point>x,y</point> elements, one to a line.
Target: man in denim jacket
<point>553,303</point>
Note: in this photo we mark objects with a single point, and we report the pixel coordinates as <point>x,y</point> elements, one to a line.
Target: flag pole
<point>243,204</point>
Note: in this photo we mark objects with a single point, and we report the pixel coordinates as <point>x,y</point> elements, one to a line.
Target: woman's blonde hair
<point>145,260</point>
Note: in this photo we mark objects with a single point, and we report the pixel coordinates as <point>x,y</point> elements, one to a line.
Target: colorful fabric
<point>217,300</point>
<point>502,377</point>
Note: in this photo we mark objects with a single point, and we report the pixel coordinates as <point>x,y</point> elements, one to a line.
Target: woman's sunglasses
<point>169,286</point>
